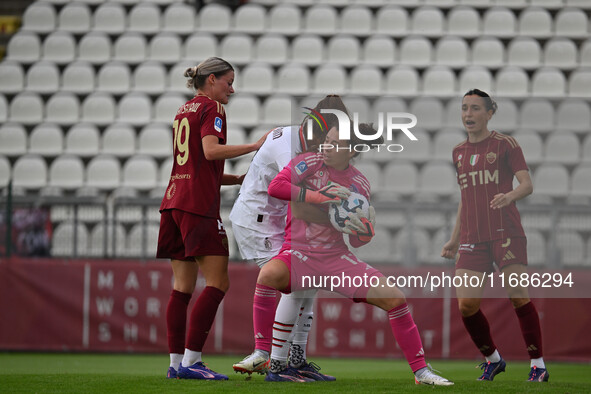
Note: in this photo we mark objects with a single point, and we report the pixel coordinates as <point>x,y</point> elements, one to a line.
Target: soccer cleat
<point>538,375</point>
<point>491,369</point>
<point>199,371</point>
<point>255,362</point>
<point>311,371</point>
<point>289,374</point>
<point>428,376</point>
<point>171,374</point>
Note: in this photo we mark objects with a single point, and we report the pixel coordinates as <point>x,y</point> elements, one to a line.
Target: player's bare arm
<point>232,179</point>
<point>213,150</point>
<point>450,249</point>
<point>524,189</point>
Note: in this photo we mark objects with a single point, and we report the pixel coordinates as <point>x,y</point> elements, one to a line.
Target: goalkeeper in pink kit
<point>315,249</point>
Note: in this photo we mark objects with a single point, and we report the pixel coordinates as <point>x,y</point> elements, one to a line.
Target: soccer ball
<point>338,213</point>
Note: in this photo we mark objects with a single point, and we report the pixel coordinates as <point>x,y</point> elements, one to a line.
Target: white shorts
<point>256,246</point>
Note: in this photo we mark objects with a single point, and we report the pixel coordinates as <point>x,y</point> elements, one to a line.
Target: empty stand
<point>366,80</point>
<point>573,114</point>
<point>330,78</point>
<point>29,172</point>
<point>237,48</point>
<point>62,108</point>
<point>562,147</point>
<point>379,50</point>
<point>257,78</point>
<point>179,18</point>
<point>82,139</point>
<point>202,45</point>
<point>308,49</point>
<point>356,20</point>
<point>118,139</point>
<point>39,17</point>
<point>392,21</point>
<point>26,108</point>
<point>285,19</point>
<point>12,77</point>
<point>250,19</point>
<point>149,77</point>
<point>140,172</point>
<point>66,172</point>
<point>24,47</point>
<point>144,18</point>
<point>103,172</point>
<point>551,180</point>
<point>69,240</point>
<point>321,19</point>
<point>452,51</point>
<point>488,52</point>
<point>344,50</point>
<point>524,52</point>
<point>427,21</point>
<point>78,77</point>
<point>579,83</point>
<point>75,18</point>
<point>167,105</point>
<point>59,47</point>
<point>130,47</point>
<point>95,47</point>
<point>155,140</point>
<point>110,18</point>
<point>272,49</point>
<point>402,80</point>
<point>46,139</point>
<point>535,22</point>
<point>293,78</point>
<point>214,18</point>
<point>13,139</point>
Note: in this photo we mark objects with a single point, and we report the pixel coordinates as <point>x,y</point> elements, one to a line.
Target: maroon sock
<point>479,331</point>
<point>530,329</point>
<point>176,321</point>
<point>202,317</point>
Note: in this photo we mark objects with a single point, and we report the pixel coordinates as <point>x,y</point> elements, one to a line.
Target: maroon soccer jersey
<point>484,169</point>
<point>195,182</point>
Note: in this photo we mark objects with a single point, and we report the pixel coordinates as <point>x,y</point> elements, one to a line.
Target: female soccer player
<point>314,249</point>
<point>488,229</point>
<point>192,234</point>
<point>258,222</point>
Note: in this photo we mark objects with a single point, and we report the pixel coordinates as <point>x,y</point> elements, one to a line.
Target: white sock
<point>263,353</point>
<point>494,358</point>
<point>175,360</point>
<point>300,338</point>
<point>191,357</point>
<point>538,363</point>
<point>285,319</point>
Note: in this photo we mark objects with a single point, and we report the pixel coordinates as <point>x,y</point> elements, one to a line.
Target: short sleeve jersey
<point>484,169</point>
<point>309,170</point>
<point>194,184</point>
<point>254,208</point>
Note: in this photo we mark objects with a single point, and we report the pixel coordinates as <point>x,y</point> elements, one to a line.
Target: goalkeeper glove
<point>328,194</point>
<point>361,226</point>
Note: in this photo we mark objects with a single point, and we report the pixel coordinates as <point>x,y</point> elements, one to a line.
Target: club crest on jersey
<point>474,159</point>
<point>217,124</point>
<point>301,167</point>
<point>491,157</point>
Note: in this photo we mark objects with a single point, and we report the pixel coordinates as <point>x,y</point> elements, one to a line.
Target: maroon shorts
<point>502,252</point>
<point>184,235</point>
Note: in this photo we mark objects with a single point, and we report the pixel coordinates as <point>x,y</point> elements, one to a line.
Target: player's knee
<point>468,307</point>
<point>386,298</point>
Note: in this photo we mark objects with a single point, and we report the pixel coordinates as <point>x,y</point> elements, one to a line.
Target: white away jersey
<point>254,208</point>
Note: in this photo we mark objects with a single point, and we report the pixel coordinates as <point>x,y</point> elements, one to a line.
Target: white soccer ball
<point>338,213</point>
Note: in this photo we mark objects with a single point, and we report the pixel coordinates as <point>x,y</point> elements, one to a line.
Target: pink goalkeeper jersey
<point>309,170</point>
<point>484,169</point>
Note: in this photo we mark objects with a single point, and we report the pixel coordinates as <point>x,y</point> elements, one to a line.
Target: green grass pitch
<point>121,373</point>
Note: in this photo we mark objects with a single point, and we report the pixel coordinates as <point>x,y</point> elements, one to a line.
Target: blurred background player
<point>318,250</point>
<point>488,230</point>
<point>258,222</point>
<point>191,233</point>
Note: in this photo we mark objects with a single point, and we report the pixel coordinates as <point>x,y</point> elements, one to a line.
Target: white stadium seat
<point>46,139</point>
<point>277,110</point>
<point>166,48</point>
<point>98,108</point>
<point>357,20</point>
<point>140,172</point>
<point>135,108</point>
<point>62,240</point>
<point>39,17</point>
<point>293,78</point>
<point>149,77</point>
<point>144,18</point>
<point>579,83</point>
<point>59,47</point>
<point>573,114</point>
<point>366,80</point>
<point>199,45</point>
<point>214,18</point>
<point>119,140</point>
<point>402,80</point>
<point>535,22</point>
<point>130,47</point>
<point>463,21</point>
<point>416,51</point>
<point>78,77</point>
<point>330,78</point>
<point>308,49</point>
<point>488,52</point>
<point>43,77</point>
<point>155,140</point>
<point>561,53</point>
<point>62,108</point>
<point>499,22</point>
<point>75,18</point>
<point>26,108</point>
<point>537,114</point>
<point>29,172</point>
<point>531,144</point>
<point>237,49</point>
<point>524,52</point>
<point>272,49</point>
<point>562,147</point>
<point>103,172</point>
<point>257,78</point>
<point>114,77</point>
<point>167,105</point>
<point>179,18</point>
<point>379,50</point>
<point>12,77</point>
<point>24,47</point>
<point>83,139</point>
<point>548,82</point>
<point>551,180</point>
<point>321,19</point>
<point>243,109</point>
<point>111,18</point>
<point>392,21</point>
<point>452,51</point>
<point>475,77</point>
<point>581,180</point>
<point>571,22</point>
<point>95,47</point>
<point>344,50</point>
<point>285,18</point>
<point>427,21</point>
<point>250,19</point>
<point>512,81</point>
<point>66,172</point>
<point>439,81</point>
<point>13,139</point>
